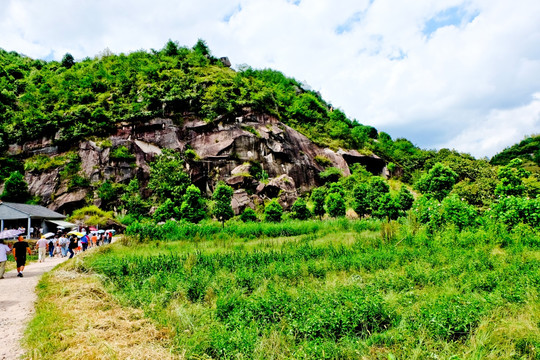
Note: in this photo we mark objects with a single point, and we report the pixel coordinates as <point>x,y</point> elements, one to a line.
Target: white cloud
<point>438,72</point>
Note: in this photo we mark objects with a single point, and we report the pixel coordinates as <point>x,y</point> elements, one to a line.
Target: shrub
<point>273,211</point>
<point>42,163</point>
<point>192,208</point>
<point>452,317</point>
<point>404,199</point>
<point>361,203</point>
<point>190,154</point>
<point>438,182</point>
<point>323,160</point>
<point>331,174</point>
<point>512,210</point>
<point>121,153</point>
<point>15,188</point>
<point>248,215</point>
<point>318,196</point>
<point>223,195</point>
<point>299,210</point>
<point>166,211</point>
<point>335,205</point>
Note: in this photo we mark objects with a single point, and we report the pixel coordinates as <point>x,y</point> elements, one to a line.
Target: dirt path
<point>17,298</point>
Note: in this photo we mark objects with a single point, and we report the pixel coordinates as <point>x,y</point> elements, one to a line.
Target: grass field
<point>342,290</point>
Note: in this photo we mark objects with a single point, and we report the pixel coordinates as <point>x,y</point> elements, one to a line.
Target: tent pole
<point>28,228</point>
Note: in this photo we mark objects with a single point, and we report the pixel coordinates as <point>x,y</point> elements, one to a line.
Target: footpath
<point>17,299</point>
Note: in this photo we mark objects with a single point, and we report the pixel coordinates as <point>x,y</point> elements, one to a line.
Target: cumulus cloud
<point>461,74</point>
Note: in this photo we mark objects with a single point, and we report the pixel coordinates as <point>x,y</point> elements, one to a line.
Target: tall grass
<point>172,230</point>
<point>336,289</point>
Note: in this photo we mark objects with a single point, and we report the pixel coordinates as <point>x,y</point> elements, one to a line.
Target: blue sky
<point>458,74</point>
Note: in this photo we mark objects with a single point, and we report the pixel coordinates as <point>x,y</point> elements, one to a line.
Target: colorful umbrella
<point>76,233</point>
<point>7,234</point>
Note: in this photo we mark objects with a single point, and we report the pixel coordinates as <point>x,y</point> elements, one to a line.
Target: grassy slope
<point>344,293</point>
<point>77,319</point>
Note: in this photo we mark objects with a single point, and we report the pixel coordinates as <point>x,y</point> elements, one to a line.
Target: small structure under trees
<point>16,215</point>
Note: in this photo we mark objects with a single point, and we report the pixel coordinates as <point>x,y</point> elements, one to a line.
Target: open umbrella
<point>48,235</point>
<point>7,234</point>
<point>76,233</point>
<point>100,231</point>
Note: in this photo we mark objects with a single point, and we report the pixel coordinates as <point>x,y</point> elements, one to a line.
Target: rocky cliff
<point>227,149</point>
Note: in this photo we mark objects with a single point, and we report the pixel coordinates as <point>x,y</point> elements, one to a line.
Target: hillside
<point>71,127</point>
<point>527,150</point>
<point>95,131</point>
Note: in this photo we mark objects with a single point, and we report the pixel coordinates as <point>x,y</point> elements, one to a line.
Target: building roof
<point>23,211</point>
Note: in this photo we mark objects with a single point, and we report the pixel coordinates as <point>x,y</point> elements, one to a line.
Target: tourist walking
<point>52,245</point>
<point>4,250</point>
<point>41,247</point>
<point>94,239</point>
<point>73,244</point>
<point>19,253</point>
<point>84,242</point>
<point>63,242</point>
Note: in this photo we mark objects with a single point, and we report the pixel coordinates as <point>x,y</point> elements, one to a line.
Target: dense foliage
<point>527,150</point>
<point>70,100</point>
<point>336,289</point>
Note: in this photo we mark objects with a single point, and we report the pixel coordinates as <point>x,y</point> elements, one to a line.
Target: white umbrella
<point>7,234</point>
<point>48,235</point>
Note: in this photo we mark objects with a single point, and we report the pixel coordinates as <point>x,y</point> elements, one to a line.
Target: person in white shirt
<point>4,250</point>
<point>64,243</point>
<point>42,245</point>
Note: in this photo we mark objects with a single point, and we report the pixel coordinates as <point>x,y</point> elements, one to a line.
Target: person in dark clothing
<point>19,253</point>
<point>73,244</point>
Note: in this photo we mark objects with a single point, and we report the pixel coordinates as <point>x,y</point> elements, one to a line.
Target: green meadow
<point>336,289</point>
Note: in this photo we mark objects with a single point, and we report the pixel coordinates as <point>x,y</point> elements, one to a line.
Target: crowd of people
<point>62,244</point>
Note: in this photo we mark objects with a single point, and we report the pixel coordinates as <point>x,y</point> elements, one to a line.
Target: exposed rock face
<point>228,150</point>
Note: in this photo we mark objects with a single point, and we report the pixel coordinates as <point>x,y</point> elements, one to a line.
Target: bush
<point>166,211</point>
<point>318,196</point>
<point>15,188</point>
<point>438,182</point>
<point>452,317</point>
<point>192,208</point>
<point>331,175</point>
<point>335,205</point>
<point>273,211</point>
<point>121,153</point>
<point>248,215</point>
<point>512,210</point>
<point>299,210</point>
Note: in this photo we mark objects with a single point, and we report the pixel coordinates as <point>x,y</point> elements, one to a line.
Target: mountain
<point>72,126</point>
<point>527,150</point>
<point>81,131</point>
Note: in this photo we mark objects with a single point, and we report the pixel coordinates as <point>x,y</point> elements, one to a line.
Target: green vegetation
<point>92,215</point>
<point>121,153</point>
<point>223,196</point>
<point>273,211</point>
<point>334,289</point>
<point>40,163</point>
<point>527,150</point>
<point>15,188</point>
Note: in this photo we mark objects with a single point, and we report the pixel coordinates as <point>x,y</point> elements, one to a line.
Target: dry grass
<point>89,324</point>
